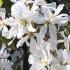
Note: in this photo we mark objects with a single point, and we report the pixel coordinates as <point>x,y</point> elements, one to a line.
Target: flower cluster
<point>37,23</point>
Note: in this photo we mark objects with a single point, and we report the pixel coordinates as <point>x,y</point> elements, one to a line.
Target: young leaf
<point>1,2</point>
<point>6,41</point>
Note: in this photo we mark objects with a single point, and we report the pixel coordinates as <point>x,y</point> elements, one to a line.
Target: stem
<point>21,64</point>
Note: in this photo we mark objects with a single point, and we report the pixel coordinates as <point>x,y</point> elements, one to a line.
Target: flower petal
<point>58,10</point>
<point>21,41</point>
<point>30,28</point>
<point>5,32</point>
<point>53,35</point>
<point>51,6</point>
<point>61,19</point>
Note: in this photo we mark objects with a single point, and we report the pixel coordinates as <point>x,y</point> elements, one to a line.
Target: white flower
<point>40,52</point>
<point>19,10</point>
<point>3,25</point>
<point>56,17</point>
<point>39,13</point>
<point>40,36</point>
<point>36,64</point>
<point>31,33</point>
<point>17,29</point>
<point>13,28</point>
<point>26,30</point>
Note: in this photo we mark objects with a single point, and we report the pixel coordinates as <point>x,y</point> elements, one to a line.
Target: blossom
<point>19,10</point>
<point>38,12</point>
<point>56,17</point>
<point>11,32</point>
<point>36,65</point>
<point>17,29</point>
<point>2,18</point>
<point>41,52</point>
<point>31,34</point>
<point>27,24</point>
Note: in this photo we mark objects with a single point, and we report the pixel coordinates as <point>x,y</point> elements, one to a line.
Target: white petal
<point>21,31</point>
<point>31,59</point>
<point>10,21</point>
<point>5,32</point>
<point>17,10</point>
<point>62,15</point>
<point>35,49</point>
<point>51,6</point>
<point>37,66</point>
<point>2,49</point>
<point>62,33</point>
<point>30,28</point>
<point>2,13</point>
<point>5,54</point>
<point>45,10</point>
<point>61,19</point>
<point>58,10</point>
<point>66,43</point>
<point>53,35</point>
<point>40,36</point>
<point>12,32</point>
<point>21,41</point>
<point>27,43</point>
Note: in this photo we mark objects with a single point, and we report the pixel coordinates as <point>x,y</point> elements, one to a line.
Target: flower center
<point>44,62</point>
<point>31,34</point>
<point>24,22</point>
<point>50,19</point>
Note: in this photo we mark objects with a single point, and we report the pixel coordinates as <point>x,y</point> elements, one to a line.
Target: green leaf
<point>1,2</point>
<point>47,24</point>
<point>6,41</point>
